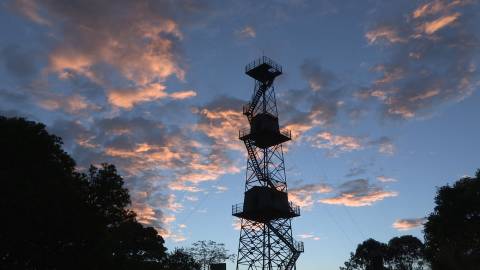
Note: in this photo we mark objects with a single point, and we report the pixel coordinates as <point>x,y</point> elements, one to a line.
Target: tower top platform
<point>263,69</point>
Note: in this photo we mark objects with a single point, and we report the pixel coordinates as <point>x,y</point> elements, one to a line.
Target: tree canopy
<point>401,253</point>
<point>452,231</point>
<point>209,252</point>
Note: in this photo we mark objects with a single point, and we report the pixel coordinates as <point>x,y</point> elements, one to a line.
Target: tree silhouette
<point>452,232</point>
<point>40,190</point>
<point>401,253</point>
<point>208,252</point>
<point>405,253</point>
<point>180,259</point>
<point>54,217</point>
<point>369,255</point>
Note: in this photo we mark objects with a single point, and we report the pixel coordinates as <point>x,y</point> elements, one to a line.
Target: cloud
<point>355,171</point>
<point>335,143</point>
<point>434,26</point>
<point>431,57</point>
<point>318,78</point>
<point>247,32</point>
<point>130,54</point>
<point>386,179</point>
<point>358,193</point>
<point>385,145</point>
<point>153,157</point>
<point>322,100</point>
<point>127,98</point>
<point>310,236</point>
<point>30,9</point>
<point>19,61</point>
<point>304,196</point>
<point>237,224</point>
<point>408,224</point>
<point>220,120</point>
<point>220,189</point>
<point>72,104</point>
<point>383,32</point>
<point>436,7</point>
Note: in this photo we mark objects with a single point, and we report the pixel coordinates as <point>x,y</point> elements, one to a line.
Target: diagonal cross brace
<point>293,250</point>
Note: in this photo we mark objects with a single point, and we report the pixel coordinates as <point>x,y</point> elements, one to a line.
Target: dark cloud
<point>317,77</point>
<point>18,62</point>
<point>356,171</point>
<point>357,193</point>
<point>385,145</point>
<point>315,106</point>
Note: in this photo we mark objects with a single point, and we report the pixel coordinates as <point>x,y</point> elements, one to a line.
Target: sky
<point>381,98</point>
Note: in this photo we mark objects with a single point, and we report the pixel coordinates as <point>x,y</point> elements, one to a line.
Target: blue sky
<point>381,97</point>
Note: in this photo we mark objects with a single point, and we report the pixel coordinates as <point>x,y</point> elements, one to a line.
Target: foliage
<point>180,259</point>
<point>209,252</point>
<point>452,232</point>
<point>401,253</point>
<point>369,255</point>
<point>405,253</point>
<point>57,218</point>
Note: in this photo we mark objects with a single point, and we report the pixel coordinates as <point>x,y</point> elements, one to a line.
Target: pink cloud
<point>408,224</point>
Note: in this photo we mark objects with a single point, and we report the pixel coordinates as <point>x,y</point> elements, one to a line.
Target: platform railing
<point>263,60</point>
<point>237,208</point>
<point>295,208</point>
<point>298,246</point>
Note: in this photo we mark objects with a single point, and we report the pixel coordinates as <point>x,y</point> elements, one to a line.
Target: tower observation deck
<point>266,240</point>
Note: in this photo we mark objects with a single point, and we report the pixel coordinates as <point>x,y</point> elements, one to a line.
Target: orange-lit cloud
<point>183,94</point>
<point>408,224</point>
<point>354,200</point>
<point>434,26</point>
<point>304,196</point>
<point>416,78</point>
<point>72,104</point>
<point>435,7</point>
<point>222,123</point>
<point>137,47</point>
<point>145,213</point>
<point>128,98</point>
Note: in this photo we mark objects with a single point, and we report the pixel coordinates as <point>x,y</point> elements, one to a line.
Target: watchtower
<point>266,240</point>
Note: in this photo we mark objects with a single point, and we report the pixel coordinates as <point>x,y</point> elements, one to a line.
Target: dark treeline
<point>54,217</point>
<point>452,236</point>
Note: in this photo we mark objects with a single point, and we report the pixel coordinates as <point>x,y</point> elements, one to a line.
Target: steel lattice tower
<point>266,240</point>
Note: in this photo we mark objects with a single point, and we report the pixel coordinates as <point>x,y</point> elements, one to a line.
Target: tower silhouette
<point>266,240</point>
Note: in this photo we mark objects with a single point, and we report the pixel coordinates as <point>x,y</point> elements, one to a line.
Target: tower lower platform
<point>263,204</point>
